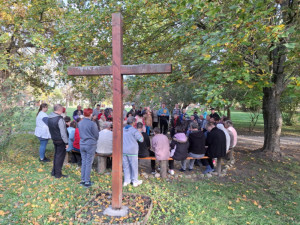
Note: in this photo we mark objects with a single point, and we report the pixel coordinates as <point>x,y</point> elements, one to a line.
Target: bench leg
<point>219,165</point>
<point>101,164</point>
<point>163,168</point>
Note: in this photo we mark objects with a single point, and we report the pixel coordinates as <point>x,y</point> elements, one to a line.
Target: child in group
<point>161,148</point>
<point>179,145</point>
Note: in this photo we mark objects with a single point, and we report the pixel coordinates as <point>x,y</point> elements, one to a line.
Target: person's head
<point>228,123</point>
<point>78,107</point>
<point>107,125</point>
<point>67,120</point>
<point>133,106</point>
<point>201,117</point>
<point>64,110</point>
<point>73,124</point>
<point>43,107</point>
<point>212,119</point>
<point>156,130</point>
<point>129,114</point>
<point>192,117</point>
<point>94,117</point>
<point>102,111</point>
<point>88,113</point>
<point>163,105</point>
<point>139,126</point>
<point>179,129</point>
<point>194,126</point>
<point>212,110</point>
<point>217,118</point>
<point>207,117</point>
<point>58,109</point>
<point>195,113</point>
<point>131,120</point>
<point>98,106</point>
<point>176,106</point>
<point>184,110</point>
<point>209,126</point>
<point>78,119</point>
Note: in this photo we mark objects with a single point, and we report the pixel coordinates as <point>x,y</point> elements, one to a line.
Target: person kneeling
<point>130,153</point>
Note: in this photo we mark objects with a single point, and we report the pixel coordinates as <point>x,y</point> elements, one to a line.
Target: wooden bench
<point>101,163</point>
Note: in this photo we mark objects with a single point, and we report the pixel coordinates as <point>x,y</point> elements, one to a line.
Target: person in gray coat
<point>89,135</point>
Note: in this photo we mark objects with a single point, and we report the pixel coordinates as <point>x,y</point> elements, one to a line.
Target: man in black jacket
<point>196,148</point>
<point>144,147</point>
<point>59,135</point>
<point>216,142</point>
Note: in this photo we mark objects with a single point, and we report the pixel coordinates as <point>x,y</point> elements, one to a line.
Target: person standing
<point>89,135</point>
<point>42,130</point>
<point>148,121</point>
<point>133,110</point>
<point>97,111</point>
<point>130,153</point>
<point>213,113</point>
<point>176,110</point>
<point>163,114</point>
<point>154,118</point>
<point>58,131</point>
<point>77,113</point>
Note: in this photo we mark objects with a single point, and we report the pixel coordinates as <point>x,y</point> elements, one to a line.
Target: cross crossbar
<point>143,69</point>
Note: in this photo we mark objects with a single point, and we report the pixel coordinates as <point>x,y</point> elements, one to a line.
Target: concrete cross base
<point>116,212</point>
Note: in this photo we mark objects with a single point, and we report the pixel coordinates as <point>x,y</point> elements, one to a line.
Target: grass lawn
<point>256,191</point>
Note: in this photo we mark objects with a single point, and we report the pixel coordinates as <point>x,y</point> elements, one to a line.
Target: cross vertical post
<point>117,58</point>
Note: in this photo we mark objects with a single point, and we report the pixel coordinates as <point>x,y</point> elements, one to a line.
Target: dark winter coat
<point>216,142</point>
<point>180,141</point>
<point>144,146</point>
<point>197,142</point>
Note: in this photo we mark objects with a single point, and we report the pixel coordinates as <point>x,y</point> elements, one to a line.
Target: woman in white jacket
<point>42,130</point>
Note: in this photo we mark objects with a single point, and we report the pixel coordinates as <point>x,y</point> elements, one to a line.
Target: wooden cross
<point>117,70</point>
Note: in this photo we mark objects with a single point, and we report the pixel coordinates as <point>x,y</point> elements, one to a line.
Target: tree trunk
<point>272,121</point>
<point>228,112</point>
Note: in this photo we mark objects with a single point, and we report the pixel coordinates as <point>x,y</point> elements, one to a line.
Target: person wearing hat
<point>213,113</point>
<point>89,135</point>
<point>130,153</point>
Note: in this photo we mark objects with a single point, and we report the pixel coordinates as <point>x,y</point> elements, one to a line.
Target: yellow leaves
<point>192,221</point>
<point>206,56</point>
<point>194,27</point>
<point>230,208</point>
<point>2,213</point>
<point>237,200</point>
<point>277,212</point>
<point>239,81</point>
<point>40,170</point>
<point>214,219</point>
<point>255,202</point>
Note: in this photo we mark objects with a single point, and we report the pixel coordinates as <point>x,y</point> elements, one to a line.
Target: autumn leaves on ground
<point>255,191</point>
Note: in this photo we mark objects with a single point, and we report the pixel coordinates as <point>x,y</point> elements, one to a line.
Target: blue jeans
<point>148,130</point>
<point>43,145</point>
<point>192,161</point>
<point>87,156</point>
<point>130,168</point>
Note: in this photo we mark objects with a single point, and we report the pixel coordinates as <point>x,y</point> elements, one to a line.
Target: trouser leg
<point>126,169</point>
<point>134,167</point>
<point>83,161</point>
<point>161,124</point>
<point>165,126</point>
<point>171,164</point>
<point>183,164</point>
<point>43,145</point>
<point>90,154</point>
<point>152,161</point>
<point>60,154</point>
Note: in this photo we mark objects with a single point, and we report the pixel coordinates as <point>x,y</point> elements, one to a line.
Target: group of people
<point>91,131</point>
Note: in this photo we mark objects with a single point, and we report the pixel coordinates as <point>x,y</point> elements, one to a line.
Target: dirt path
<point>289,145</point>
